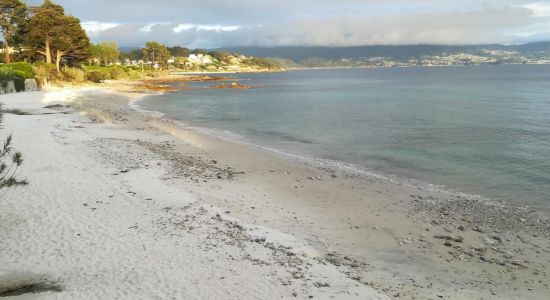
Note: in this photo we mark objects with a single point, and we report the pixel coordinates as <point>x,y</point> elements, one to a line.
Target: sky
<point>340,23</point>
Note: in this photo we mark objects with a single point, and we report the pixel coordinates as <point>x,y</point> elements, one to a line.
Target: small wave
<point>133,104</point>
<point>349,169</point>
<point>218,133</point>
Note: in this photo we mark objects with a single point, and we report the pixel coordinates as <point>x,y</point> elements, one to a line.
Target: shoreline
<point>380,234</point>
<point>290,69</point>
<point>352,169</point>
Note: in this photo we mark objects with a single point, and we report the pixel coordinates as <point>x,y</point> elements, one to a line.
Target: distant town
<point>487,57</point>
<point>402,55</point>
<point>203,60</point>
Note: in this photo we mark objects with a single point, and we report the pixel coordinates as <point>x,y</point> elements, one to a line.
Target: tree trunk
<point>58,55</point>
<point>48,53</point>
<point>7,58</point>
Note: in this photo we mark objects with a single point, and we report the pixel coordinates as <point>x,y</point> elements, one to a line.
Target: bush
<point>117,72</point>
<point>6,73</point>
<point>88,68</point>
<point>22,69</point>
<point>74,75</point>
<point>132,74</point>
<point>45,71</point>
<point>98,75</point>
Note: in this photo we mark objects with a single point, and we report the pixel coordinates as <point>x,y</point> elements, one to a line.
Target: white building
<point>199,59</point>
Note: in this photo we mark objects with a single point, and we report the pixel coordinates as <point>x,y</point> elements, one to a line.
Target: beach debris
<point>458,239</point>
<point>12,285</point>
<point>189,166</point>
<point>321,284</point>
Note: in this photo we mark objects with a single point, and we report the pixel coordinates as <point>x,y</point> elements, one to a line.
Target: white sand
<point>125,206</point>
<point>102,232</point>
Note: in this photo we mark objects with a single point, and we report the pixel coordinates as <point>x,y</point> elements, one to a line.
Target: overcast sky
<point>220,23</point>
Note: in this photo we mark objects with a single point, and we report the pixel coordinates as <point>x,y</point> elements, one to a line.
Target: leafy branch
<point>10,161</point>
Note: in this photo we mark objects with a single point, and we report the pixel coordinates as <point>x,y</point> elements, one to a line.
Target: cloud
<point>94,27</point>
<point>184,27</point>
<point>539,9</point>
<point>219,23</point>
<point>149,27</point>
<point>502,25</point>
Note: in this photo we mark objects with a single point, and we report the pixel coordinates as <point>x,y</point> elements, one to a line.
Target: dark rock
<point>478,229</point>
<point>321,285</point>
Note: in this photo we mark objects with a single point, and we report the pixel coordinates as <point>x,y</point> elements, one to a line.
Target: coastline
<point>415,66</point>
<point>371,233</point>
<point>333,166</point>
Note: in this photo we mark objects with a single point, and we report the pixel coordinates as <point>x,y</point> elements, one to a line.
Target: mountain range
<point>396,52</point>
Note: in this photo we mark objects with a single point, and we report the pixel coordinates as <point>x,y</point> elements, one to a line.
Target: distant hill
<point>297,54</point>
<point>396,56</point>
<point>406,55</point>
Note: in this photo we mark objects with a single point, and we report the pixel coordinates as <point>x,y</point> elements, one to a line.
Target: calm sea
<point>479,129</point>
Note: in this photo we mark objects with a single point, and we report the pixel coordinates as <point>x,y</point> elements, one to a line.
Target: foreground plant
<point>10,161</point>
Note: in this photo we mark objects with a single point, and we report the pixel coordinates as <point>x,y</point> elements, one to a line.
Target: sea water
<point>483,130</point>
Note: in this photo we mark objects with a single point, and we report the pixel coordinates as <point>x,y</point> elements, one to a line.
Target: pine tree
<point>70,40</point>
<point>51,32</point>
<point>106,52</point>
<point>157,53</point>
<point>12,19</point>
<point>42,28</point>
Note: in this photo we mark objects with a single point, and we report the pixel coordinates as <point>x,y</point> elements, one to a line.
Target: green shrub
<point>74,75</point>
<point>20,74</point>
<point>132,74</point>
<point>22,69</point>
<point>98,76</point>
<point>88,68</point>
<point>117,72</point>
<point>6,73</point>
<point>135,68</point>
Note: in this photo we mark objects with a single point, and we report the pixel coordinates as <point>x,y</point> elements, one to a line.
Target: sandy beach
<point>123,205</point>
